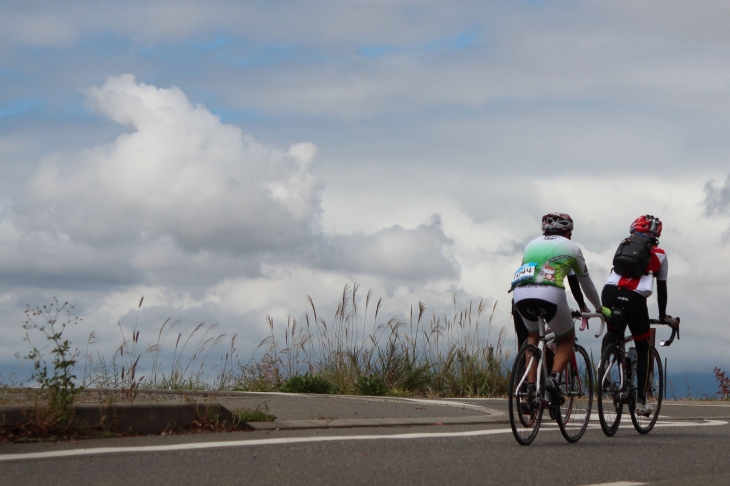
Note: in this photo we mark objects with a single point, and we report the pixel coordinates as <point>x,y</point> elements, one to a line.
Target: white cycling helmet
<point>557,222</point>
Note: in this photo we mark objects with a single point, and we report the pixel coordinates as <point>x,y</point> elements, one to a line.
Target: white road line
<point>244,443</point>
<point>286,440</point>
<point>618,483</point>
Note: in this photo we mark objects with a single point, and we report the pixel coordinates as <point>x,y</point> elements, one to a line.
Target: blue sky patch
<point>220,41</point>
<point>19,107</point>
<point>461,41</point>
<point>376,50</point>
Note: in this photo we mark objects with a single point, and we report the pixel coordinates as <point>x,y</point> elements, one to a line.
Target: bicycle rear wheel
<point>654,394</point>
<point>577,383</point>
<point>525,409</point>
<point>610,404</point>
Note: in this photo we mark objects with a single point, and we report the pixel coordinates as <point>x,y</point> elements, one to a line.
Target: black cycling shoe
<point>557,397</point>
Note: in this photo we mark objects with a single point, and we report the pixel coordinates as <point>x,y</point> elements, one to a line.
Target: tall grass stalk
<point>356,350</point>
<point>186,369</point>
<point>441,356</point>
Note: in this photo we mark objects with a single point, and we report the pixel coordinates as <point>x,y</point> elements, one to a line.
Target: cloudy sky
<point>225,159</point>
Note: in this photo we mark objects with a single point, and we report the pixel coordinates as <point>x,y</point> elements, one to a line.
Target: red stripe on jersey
<point>628,283</point>
<point>654,263</point>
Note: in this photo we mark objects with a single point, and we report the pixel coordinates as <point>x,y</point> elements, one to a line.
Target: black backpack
<point>632,256</point>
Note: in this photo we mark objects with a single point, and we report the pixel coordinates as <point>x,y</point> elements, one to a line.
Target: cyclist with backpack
<point>538,289</point>
<point>638,261</point>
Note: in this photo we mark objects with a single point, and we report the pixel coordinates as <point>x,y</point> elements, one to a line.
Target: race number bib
<point>524,273</point>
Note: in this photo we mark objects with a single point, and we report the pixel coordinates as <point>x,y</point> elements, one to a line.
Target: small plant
<point>59,381</point>
<point>308,383</point>
<point>263,375</point>
<point>370,385</point>
<point>723,383</point>
<point>255,415</point>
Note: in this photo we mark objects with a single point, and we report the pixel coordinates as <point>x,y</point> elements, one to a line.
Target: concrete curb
<point>382,422</point>
<point>136,418</point>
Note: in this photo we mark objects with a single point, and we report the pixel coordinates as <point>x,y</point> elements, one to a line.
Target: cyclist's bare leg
<point>566,346</point>
<point>532,338</point>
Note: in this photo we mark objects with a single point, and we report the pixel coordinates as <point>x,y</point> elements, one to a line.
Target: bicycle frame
<point>628,339</point>
<point>541,366</point>
<point>543,339</point>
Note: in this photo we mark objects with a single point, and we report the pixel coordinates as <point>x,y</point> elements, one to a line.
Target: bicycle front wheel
<point>610,400</point>
<point>654,393</point>
<point>525,409</point>
<point>577,383</point>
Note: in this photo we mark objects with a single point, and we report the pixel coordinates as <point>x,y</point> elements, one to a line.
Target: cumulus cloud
<point>181,174</point>
<point>184,197</point>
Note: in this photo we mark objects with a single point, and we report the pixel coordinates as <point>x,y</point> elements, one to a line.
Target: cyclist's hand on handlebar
<point>671,321</point>
<point>584,321</point>
<point>605,311</point>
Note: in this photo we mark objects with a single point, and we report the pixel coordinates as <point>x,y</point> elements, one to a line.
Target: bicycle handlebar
<point>675,330</point>
<point>668,342</point>
<point>588,315</point>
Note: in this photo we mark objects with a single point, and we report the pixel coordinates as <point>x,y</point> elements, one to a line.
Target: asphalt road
<point>683,449</point>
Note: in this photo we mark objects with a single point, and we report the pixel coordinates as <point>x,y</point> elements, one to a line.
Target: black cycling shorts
<point>635,311</point>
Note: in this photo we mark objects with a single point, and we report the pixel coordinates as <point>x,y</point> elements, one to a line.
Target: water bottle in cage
<point>631,359</point>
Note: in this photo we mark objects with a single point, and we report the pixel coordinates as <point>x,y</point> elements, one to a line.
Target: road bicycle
<point>527,402</point>
<point>617,383</point>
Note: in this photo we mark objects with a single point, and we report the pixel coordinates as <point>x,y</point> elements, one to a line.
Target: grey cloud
<point>415,255</point>
<point>514,247</point>
<point>717,199</point>
<point>717,202</point>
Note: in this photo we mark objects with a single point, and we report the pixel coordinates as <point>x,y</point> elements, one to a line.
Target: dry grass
<point>449,356</point>
<point>460,355</point>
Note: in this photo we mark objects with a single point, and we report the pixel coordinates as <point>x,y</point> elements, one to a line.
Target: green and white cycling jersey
<point>547,260</point>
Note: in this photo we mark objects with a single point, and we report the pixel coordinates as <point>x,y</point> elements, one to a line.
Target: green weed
<point>307,383</point>
<point>255,415</point>
<point>370,385</point>
<point>59,380</point>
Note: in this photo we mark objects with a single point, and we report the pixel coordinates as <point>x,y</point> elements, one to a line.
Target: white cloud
<point>185,198</point>
<point>180,173</point>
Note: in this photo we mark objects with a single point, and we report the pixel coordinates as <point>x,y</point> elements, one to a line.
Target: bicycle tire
<point>609,391</point>
<point>524,425</point>
<point>654,394</point>
<point>578,388</point>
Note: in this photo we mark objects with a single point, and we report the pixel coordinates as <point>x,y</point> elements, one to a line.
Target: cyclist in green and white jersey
<point>538,289</point>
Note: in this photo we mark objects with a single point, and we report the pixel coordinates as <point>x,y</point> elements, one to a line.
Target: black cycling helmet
<point>557,223</point>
